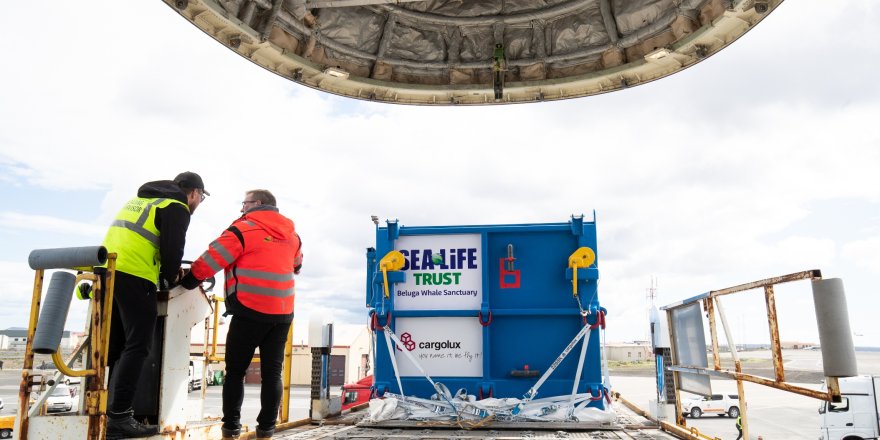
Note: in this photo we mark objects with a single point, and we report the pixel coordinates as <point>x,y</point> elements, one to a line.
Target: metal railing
<point>95,344</point>
<point>94,348</point>
<point>711,303</point>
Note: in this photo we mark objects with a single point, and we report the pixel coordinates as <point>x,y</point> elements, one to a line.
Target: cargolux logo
<point>406,340</point>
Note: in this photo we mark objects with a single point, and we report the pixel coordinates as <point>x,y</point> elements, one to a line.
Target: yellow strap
<point>385,281</point>
<point>392,261</point>
<point>582,258</point>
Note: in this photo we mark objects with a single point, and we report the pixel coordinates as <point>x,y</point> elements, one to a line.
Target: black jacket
<point>172,222</point>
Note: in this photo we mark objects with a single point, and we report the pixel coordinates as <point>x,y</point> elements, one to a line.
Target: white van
<point>855,417</point>
<point>195,374</point>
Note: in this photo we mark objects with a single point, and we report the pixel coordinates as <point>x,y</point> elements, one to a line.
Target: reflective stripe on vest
<point>259,290</point>
<point>209,259</point>
<point>138,226</point>
<point>134,237</point>
<point>268,276</point>
<point>234,284</point>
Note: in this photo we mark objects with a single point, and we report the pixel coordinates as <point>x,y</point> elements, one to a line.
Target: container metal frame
<point>384,311</point>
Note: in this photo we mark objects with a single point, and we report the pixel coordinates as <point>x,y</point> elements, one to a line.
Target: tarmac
<point>771,413</point>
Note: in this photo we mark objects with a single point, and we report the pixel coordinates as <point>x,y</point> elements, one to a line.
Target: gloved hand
<point>189,281</point>
<point>164,284</point>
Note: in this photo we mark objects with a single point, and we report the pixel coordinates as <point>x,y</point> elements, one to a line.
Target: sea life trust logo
<point>439,267</point>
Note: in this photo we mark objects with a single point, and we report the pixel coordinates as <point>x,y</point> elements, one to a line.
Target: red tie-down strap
<point>374,321</point>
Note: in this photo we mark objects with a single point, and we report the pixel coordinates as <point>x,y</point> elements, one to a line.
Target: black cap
<point>190,179</point>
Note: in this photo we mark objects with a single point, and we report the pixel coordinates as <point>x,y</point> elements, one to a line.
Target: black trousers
<point>131,337</point>
<point>243,338</point>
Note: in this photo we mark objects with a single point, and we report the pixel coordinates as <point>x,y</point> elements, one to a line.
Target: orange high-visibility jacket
<point>259,253</point>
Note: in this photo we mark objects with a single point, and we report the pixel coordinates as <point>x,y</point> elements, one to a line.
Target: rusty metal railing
<point>95,345</point>
<point>711,303</point>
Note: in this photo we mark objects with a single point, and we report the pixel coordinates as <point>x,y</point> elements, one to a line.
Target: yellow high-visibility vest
<point>135,239</point>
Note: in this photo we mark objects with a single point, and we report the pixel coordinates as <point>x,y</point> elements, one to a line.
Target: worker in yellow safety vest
<point>148,236</point>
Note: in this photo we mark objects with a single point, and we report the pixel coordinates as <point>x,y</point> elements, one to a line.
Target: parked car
<point>718,404</point>
<point>6,425</point>
<point>60,400</point>
<point>354,394</point>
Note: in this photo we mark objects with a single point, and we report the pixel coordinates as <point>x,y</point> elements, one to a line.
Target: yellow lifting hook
<point>392,261</point>
<point>582,258</point>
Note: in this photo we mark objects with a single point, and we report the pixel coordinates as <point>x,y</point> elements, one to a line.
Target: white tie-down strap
<point>391,346</point>
<point>577,374</point>
<point>444,407</point>
<point>441,389</point>
<point>606,381</point>
<point>467,409</point>
<point>533,391</point>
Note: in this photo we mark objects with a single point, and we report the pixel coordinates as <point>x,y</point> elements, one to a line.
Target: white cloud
<point>864,253</point>
<point>17,282</point>
<point>697,178</point>
<point>11,221</point>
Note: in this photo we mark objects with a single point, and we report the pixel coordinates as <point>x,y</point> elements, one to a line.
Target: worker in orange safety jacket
<point>260,253</point>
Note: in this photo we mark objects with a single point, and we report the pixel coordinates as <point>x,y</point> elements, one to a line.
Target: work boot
<point>230,434</point>
<point>263,434</point>
<point>128,428</point>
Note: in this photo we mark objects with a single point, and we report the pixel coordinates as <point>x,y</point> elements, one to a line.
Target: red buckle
<point>480,317</point>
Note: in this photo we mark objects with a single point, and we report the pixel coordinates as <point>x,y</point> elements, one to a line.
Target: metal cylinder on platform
<point>66,258</point>
<point>53,314</point>
<point>835,336</point>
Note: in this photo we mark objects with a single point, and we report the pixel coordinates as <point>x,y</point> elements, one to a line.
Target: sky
<point>760,161</point>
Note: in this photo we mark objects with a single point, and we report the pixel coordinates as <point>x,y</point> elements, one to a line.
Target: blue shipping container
<point>486,308</point>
